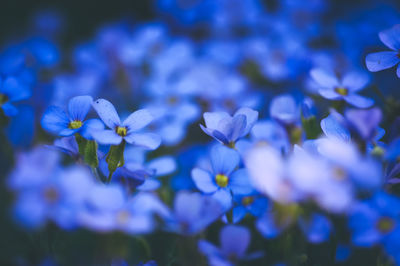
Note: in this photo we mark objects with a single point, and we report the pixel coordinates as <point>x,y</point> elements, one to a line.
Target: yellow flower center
<point>342,91</point>
<point>385,224</point>
<point>221,180</point>
<point>339,174</point>
<point>121,131</point>
<point>75,124</point>
<point>246,201</point>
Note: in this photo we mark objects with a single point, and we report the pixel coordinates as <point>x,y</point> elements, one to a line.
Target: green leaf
<point>311,127</point>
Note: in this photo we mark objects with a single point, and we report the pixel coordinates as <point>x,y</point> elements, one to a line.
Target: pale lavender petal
<point>107,137</point>
<point>381,60</point>
<point>107,113</point>
<point>138,120</point>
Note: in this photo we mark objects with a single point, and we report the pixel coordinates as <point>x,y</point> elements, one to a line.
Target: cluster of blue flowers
<point>234,124</point>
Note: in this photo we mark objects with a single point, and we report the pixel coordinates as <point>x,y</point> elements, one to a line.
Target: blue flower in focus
<point>227,129</point>
<point>126,130</point>
<point>345,88</point>
<point>383,60</point>
<point>12,90</point>
<point>234,241</point>
<point>57,121</point>
<point>224,179</point>
<point>193,212</point>
<point>376,221</point>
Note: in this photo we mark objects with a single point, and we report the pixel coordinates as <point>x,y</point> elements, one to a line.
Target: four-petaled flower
<point>127,130</point>
<point>346,88</point>
<point>57,121</point>
<point>224,178</point>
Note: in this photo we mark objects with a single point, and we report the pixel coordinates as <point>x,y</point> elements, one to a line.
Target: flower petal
<point>79,106</point>
<point>359,101</point>
<point>239,183</point>
<point>355,81</point>
<point>324,78</point>
<point>234,240</point>
<point>107,113</point>
<point>15,89</point>
<point>107,137</point>
<point>89,126</point>
<point>381,60</point>
<point>251,118</point>
<point>55,120</point>
<point>391,37</point>
<point>224,160</point>
<point>204,180</point>
<point>329,94</point>
<point>332,128</point>
<point>146,140</point>
<point>9,109</point>
<point>138,120</point>
<point>212,119</point>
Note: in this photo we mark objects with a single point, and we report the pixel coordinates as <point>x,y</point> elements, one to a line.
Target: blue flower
<point>376,221</point>
<point>227,129</point>
<point>255,205</point>
<point>12,90</point>
<point>57,121</point>
<point>126,130</point>
<point>345,88</point>
<point>234,241</point>
<point>383,60</point>
<point>284,109</point>
<point>224,179</point>
<point>193,212</point>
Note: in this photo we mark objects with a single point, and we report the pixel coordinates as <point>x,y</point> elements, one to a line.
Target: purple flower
<point>383,60</point>
<point>227,129</point>
<point>224,179</point>
<point>345,88</point>
<point>234,241</point>
<point>127,130</point>
<point>57,121</point>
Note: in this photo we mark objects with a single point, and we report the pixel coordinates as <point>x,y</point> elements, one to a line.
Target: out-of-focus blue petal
<point>149,185</point>
<point>107,137</point>
<point>79,106</point>
<point>355,81</point>
<point>208,249</point>
<point>138,120</point>
<point>223,196</point>
<point>212,119</point>
<point>238,214</point>
<point>398,71</point>
<point>283,108</point>
<point>359,101</point>
<point>329,94</point>
<point>317,229</point>
<point>266,226</point>
<point>365,122</point>
<point>55,120</point>
<point>258,207</point>
<point>9,109</point>
<point>381,60</point>
<point>234,240</point>
<point>332,128</point>
<point>391,37</point>
<point>239,183</point>
<point>21,129</point>
<point>68,132</point>
<point>342,253</point>
<point>107,113</point>
<point>163,165</point>
<point>224,160</point>
<point>90,126</point>
<point>324,78</point>
<point>146,140</point>
<point>106,198</point>
<point>204,180</point>
<point>15,89</point>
